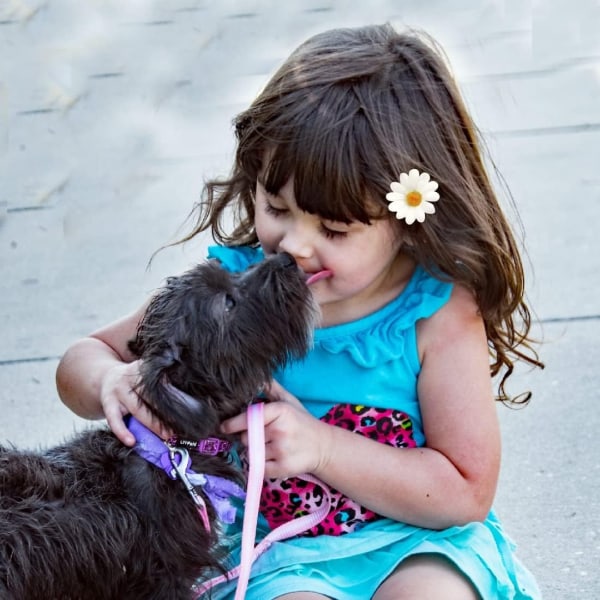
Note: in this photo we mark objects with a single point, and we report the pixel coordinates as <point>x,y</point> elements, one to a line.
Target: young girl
<point>360,160</point>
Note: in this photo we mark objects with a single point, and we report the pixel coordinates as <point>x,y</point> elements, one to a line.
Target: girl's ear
<point>407,245</point>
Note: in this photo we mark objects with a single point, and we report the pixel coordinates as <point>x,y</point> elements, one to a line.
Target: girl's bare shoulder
<point>459,319</point>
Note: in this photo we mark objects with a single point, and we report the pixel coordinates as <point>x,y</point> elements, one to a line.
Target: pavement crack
<point>574,319</point>
<point>20,361</point>
<point>538,131</point>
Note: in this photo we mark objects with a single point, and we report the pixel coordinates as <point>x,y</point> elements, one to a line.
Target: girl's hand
<point>277,393</point>
<point>295,441</point>
<point>118,399</point>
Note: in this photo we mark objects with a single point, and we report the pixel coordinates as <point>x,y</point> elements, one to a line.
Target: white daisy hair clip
<point>412,197</point>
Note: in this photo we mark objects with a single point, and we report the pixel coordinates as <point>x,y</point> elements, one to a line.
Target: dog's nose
<point>286,260</point>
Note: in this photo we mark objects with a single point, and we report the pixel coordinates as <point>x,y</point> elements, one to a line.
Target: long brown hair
<point>346,114</point>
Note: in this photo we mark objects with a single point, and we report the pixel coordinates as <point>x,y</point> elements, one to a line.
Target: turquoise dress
<point>373,361</point>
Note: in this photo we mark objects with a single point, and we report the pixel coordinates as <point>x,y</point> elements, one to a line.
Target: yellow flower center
<point>414,198</point>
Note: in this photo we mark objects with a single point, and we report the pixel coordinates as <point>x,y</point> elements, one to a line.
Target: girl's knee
<point>426,577</point>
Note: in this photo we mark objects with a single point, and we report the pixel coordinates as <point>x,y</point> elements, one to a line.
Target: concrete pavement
<point>112,115</point>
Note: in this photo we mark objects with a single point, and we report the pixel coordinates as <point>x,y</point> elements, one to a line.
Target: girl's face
<point>362,259</point>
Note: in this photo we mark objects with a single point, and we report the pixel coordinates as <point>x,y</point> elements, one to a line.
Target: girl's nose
<point>297,241</point>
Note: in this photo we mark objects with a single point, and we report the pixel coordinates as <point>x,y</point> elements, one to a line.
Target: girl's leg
<point>426,577</point>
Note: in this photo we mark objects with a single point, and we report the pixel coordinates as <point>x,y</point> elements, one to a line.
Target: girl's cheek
<point>263,236</point>
<point>266,241</point>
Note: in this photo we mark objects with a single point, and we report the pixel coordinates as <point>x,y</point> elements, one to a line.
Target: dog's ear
<point>187,415</point>
<point>176,409</point>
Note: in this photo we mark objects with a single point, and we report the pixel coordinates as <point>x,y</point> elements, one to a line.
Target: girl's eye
<point>332,233</point>
<point>274,210</point>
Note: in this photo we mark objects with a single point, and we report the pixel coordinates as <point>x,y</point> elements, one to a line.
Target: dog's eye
<point>229,302</point>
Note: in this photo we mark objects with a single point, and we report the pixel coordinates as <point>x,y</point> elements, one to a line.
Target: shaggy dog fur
<point>91,519</point>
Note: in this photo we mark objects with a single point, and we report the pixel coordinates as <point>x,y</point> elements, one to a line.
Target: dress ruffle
<point>381,336</point>
<point>352,567</point>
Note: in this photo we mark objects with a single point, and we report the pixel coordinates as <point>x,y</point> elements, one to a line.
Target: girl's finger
<point>146,418</point>
<point>275,392</point>
<point>114,418</point>
<point>237,424</point>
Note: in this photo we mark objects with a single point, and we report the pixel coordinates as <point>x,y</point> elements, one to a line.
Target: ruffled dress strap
<point>389,333</point>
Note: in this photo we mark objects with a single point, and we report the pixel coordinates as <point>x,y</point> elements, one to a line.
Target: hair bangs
<point>326,156</point>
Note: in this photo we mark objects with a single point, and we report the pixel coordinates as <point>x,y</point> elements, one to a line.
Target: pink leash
<point>256,473</point>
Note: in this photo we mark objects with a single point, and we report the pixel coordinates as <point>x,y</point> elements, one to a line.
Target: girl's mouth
<point>314,277</point>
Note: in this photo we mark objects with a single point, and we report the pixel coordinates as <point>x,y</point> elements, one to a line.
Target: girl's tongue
<point>318,276</point>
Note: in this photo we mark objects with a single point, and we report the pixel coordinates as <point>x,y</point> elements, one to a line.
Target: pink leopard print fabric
<point>285,499</point>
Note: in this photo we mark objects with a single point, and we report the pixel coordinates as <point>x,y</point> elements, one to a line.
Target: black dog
<point>92,519</point>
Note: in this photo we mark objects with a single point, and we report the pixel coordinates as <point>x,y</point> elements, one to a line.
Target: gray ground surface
<point>112,114</point>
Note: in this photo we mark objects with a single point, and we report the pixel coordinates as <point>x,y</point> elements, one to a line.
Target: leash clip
<point>180,459</point>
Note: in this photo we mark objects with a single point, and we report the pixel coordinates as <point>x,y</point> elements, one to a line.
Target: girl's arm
<point>453,479</point>
<point>96,375</point>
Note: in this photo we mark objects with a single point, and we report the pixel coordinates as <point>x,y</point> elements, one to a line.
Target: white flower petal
<point>431,186</point>
<point>397,205</point>
<point>430,198</point>
<point>396,187</point>
<point>413,182</point>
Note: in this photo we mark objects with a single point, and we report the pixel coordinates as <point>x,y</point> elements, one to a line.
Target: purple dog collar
<point>209,446</point>
<point>218,489</point>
